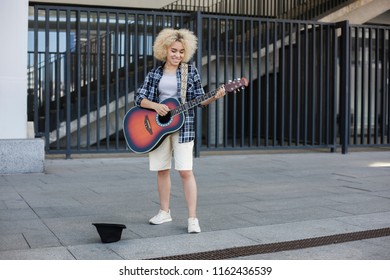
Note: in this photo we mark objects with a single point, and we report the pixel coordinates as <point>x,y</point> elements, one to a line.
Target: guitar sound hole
<point>164,120</point>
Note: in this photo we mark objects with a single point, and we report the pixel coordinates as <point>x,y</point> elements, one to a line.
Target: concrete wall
<point>13,78</point>
<point>17,153</point>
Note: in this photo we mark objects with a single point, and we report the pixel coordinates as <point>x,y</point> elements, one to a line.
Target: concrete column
<point>13,78</point>
<point>13,93</point>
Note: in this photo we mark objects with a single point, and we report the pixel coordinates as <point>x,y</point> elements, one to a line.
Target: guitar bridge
<point>147,124</point>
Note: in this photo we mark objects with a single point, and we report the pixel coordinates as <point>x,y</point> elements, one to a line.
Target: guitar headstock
<point>235,85</point>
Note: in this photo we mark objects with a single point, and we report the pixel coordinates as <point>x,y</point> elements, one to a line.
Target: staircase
<point>281,9</point>
<point>357,12</point>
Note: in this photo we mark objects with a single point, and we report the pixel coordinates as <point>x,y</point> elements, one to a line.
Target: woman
<point>173,48</point>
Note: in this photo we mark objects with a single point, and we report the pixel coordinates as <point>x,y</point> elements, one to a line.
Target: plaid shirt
<point>149,90</point>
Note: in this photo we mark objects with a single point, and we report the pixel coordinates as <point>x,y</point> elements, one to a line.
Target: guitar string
<point>196,101</point>
<point>193,102</point>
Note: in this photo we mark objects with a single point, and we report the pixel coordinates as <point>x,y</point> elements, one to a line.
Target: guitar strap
<point>184,77</point>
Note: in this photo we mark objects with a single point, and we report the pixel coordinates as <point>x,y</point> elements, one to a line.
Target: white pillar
<point>18,154</point>
<point>13,78</point>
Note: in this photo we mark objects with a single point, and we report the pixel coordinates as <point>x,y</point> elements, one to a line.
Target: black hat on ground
<point>109,232</point>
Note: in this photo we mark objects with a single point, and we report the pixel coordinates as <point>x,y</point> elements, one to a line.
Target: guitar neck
<point>229,87</point>
<point>192,103</point>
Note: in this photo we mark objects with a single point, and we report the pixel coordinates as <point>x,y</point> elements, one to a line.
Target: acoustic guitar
<point>144,129</point>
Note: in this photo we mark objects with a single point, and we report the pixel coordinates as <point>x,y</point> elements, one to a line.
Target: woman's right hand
<point>161,109</point>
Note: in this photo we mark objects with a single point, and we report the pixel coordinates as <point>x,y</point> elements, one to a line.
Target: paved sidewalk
<point>243,200</point>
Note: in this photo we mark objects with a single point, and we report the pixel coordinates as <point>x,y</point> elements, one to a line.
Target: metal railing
<point>369,120</point>
<point>311,84</point>
<point>292,97</point>
<point>282,9</point>
<point>85,72</point>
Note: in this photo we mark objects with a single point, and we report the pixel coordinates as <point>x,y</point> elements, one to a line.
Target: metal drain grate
<point>236,252</point>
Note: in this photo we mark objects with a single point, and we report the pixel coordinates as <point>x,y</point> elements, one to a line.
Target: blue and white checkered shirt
<point>149,90</point>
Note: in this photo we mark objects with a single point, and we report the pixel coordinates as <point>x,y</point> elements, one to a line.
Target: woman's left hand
<point>220,93</point>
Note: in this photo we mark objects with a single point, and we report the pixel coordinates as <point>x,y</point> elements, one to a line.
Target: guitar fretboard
<point>192,103</point>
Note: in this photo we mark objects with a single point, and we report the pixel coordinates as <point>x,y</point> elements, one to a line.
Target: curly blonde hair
<point>168,36</point>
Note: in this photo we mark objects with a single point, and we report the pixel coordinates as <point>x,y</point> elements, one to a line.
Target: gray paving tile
<point>41,239</point>
<point>368,221</point>
<point>16,203</point>
<point>178,244</point>
<point>292,215</point>
<point>55,253</point>
<point>296,230</point>
<point>242,200</point>
<point>21,226</point>
<point>96,252</point>
<point>17,214</point>
<point>372,205</point>
<point>12,242</point>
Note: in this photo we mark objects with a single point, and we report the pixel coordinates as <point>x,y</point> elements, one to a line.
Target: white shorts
<point>161,158</point>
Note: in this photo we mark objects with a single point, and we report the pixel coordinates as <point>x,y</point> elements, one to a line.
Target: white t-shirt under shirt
<point>167,86</point>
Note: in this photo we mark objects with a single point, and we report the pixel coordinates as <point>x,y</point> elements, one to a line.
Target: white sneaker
<point>161,217</point>
<point>193,225</point>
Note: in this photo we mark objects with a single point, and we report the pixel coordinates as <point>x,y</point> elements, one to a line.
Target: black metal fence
<point>311,84</point>
<point>83,70</point>
<point>369,81</point>
<point>292,68</point>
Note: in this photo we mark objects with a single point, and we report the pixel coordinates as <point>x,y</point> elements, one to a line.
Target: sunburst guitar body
<point>144,129</point>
